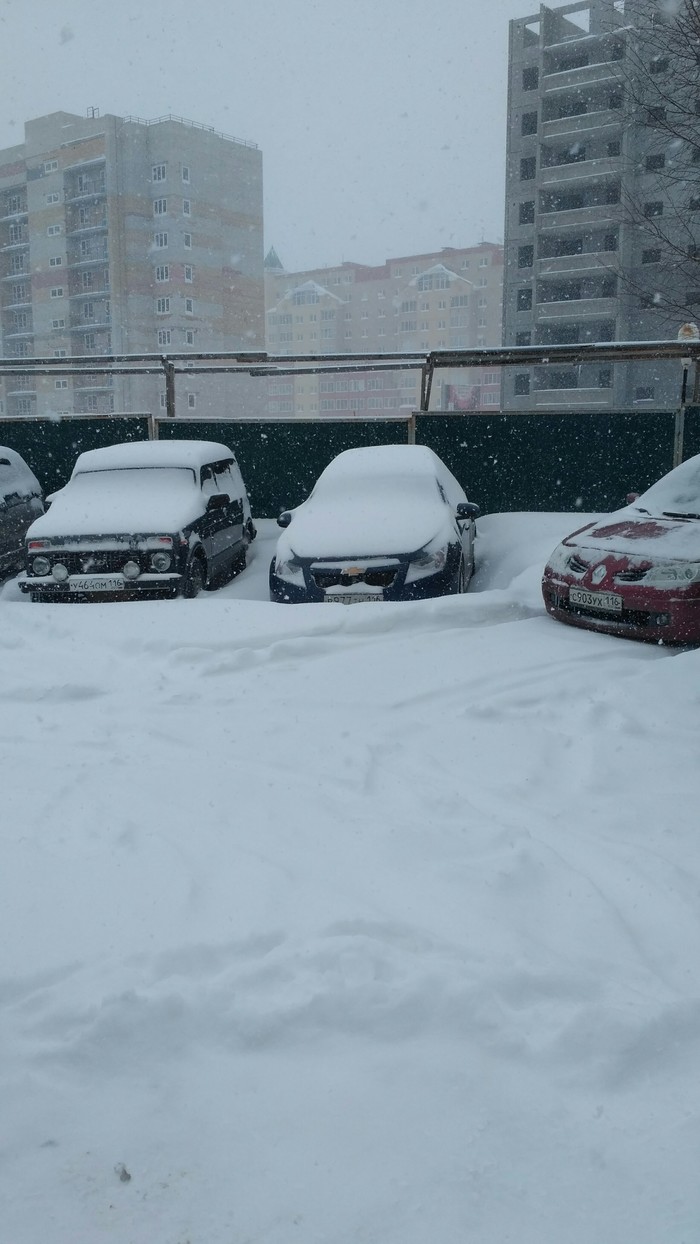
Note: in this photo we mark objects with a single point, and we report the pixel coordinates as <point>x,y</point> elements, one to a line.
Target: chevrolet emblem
<point>353,570</point>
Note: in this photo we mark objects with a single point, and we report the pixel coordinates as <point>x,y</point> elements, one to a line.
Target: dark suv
<point>161,518</point>
<point>20,503</point>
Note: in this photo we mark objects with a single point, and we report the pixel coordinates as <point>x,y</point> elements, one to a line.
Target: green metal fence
<point>554,461</point>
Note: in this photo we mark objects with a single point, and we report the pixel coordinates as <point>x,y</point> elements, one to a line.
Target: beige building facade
<point>446,299</point>
<point>120,235</point>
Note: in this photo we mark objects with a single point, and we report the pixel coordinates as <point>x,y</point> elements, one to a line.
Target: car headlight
<point>161,561</point>
<point>60,572</point>
<point>290,571</point>
<point>431,559</point>
<point>673,574</point>
<point>41,565</point>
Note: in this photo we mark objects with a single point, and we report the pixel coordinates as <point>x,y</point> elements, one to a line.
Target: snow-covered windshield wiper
<point>686,514</point>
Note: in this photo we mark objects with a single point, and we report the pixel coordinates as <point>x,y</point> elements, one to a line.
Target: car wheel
<point>240,561</point>
<point>194,578</point>
<point>251,529</point>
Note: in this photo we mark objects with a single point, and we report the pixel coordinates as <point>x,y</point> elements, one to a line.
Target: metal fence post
<point>169,369</point>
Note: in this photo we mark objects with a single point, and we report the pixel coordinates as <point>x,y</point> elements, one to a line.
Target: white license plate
<point>344,598</point>
<point>607,602</point>
<point>97,583</point>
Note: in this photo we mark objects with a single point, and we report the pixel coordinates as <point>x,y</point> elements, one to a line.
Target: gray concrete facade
<point>575,253</point>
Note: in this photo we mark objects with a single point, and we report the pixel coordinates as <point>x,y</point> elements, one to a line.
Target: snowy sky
<point>382,125</point>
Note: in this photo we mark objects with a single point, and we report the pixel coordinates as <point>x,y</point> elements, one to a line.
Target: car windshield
<point>677,495</point>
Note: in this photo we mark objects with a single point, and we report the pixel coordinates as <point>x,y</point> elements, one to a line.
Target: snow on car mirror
<point>284,519</point>
<point>468,509</point>
<point>632,497</point>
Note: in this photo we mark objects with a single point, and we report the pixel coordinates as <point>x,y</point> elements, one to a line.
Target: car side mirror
<point>632,497</point>
<point>467,509</point>
<point>284,519</point>
<point>217,501</point>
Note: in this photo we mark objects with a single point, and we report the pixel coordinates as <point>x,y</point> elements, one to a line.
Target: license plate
<point>607,602</point>
<point>344,598</point>
<point>96,583</point>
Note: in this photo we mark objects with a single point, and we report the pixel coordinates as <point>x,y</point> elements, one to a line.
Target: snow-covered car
<point>21,501</point>
<point>161,518</point>
<point>635,572</point>
<point>388,522</point>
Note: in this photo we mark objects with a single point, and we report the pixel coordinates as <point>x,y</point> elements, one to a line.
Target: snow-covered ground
<point>329,925</point>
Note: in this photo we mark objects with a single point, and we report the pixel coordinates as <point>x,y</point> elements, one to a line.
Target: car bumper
<point>46,587</point>
<point>650,616</point>
<point>444,583</point>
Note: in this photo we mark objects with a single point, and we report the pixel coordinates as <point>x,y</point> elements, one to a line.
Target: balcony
<point>91,326</point>
<point>20,215</point>
<point>584,75</point>
<point>14,245</point>
<point>594,214</point>
<point>576,309</point>
<point>581,123</point>
<point>89,189</point>
<point>16,306</point>
<point>572,399</point>
<point>580,170</point>
<point>590,261</point>
<point>81,261</point>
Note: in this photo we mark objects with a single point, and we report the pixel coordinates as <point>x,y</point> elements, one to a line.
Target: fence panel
<point>281,461</point>
<point>51,446</point>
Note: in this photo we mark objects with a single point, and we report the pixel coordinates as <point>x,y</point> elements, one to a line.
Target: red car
<point>635,572</point>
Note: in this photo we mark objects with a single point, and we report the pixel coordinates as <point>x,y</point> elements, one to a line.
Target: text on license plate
<point>97,583</point>
<point>608,602</point>
<point>346,598</point>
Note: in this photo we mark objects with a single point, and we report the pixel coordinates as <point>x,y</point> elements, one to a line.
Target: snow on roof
<point>151,454</point>
<point>415,460</point>
<point>439,269</point>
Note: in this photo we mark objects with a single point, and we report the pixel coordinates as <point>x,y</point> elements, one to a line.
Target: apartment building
<point>122,235</point>
<point>446,299</point>
<point>581,169</point>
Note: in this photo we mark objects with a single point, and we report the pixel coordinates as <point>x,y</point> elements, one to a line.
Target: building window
<point>528,123</point>
<point>521,386</point>
<point>610,242</point>
<point>523,339</point>
<point>53,197</point>
<point>528,168</point>
<point>160,207</point>
<point>651,256</point>
<point>526,212</point>
<point>158,172</point>
<point>50,166</point>
<point>653,209</point>
<point>164,336</point>
<point>58,324</point>
<point>55,261</point>
<point>656,114</point>
<point>605,378</point>
<point>189,273</point>
<point>53,231</point>
<point>654,162</point>
<point>57,292</point>
<point>162,306</point>
<point>531,78</point>
<point>86,280</point>
<point>189,337</point>
<point>647,301</point>
<point>614,148</point>
<point>160,240</point>
<point>186,173</point>
<point>189,306</point>
<point>163,272</point>
<point>658,64</point>
<point>90,341</point>
<point>191,401</point>
<point>187,239</point>
<point>59,354</point>
<point>524,300</point>
<point>526,256</point>
<point>186,207</point>
<point>644,393</point>
<point>60,384</point>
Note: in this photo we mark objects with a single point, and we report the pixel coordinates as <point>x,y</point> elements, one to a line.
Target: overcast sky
<point>381,122</point>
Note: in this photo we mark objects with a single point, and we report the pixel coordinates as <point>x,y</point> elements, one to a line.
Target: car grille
<point>632,575</point>
<point>577,564</point>
<point>372,577</point>
<point>105,561</point>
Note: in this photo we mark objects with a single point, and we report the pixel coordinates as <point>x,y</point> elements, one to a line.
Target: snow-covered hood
<point>629,533</point>
<point>363,525</point>
<point>133,502</point>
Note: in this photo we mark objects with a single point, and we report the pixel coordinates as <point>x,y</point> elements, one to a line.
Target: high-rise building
<point>445,299</point>
<point>581,182</point>
<point>119,235</point>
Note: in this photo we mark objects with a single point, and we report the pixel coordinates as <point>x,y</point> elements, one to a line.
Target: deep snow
<point>367,925</point>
